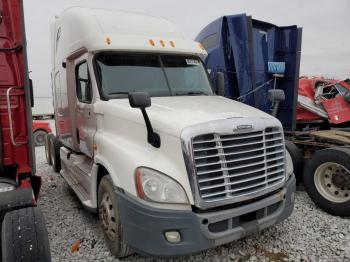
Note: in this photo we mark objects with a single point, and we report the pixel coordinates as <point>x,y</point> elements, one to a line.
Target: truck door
<point>86,122</point>
<point>16,154</point>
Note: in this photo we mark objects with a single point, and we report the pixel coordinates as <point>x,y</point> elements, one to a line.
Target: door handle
<point>8,103</point>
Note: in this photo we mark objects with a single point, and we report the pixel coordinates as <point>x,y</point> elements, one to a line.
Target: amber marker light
<point>108,40</point>
<point>151,42</point>
<point>162,43</point>
<point>138,180</point>
<point>201,47</point>
<point>172,43</point>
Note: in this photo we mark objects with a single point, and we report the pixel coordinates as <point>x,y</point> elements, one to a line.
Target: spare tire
<point>297,159</point>
<point>327,180</point>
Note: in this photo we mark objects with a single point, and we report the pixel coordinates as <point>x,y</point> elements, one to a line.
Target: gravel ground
<point>308,235</point>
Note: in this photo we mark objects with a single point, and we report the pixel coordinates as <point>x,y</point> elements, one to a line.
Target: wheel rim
<point>107,217</point>
<point>6,187</point>
<point>40,139</point>
<point>332,181</point>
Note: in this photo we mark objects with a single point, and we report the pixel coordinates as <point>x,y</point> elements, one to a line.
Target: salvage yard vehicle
<point>170,167</point>
<point>323,102</point>
<point>23,232</point>
<point>261,64</point>
<point>40,130</point>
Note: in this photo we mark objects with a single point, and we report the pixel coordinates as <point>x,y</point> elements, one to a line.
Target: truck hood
<point>172,114</point>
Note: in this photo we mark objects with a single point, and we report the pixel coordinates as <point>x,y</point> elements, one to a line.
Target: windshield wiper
<point>192,93</point>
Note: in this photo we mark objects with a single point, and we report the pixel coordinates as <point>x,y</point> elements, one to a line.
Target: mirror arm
<point>220,84</point>
<point>152,137</point>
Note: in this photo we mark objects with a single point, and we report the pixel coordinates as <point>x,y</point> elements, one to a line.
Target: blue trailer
<point>255,57</point>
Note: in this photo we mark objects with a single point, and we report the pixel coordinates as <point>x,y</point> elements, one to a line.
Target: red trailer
<point>24,235</point>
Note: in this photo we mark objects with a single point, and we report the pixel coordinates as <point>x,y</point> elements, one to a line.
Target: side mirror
<point>139,100</point>
<point>275,96</point>
<point>220,84</point>
<point>142,100</point>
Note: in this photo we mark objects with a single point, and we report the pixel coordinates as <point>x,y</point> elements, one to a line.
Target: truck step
<point>76,170</point>
<point>79,190</point>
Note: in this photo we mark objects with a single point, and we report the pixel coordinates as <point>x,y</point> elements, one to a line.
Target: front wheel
<point>327,180</point>
<point>24,236</point>
<point>110,219</point>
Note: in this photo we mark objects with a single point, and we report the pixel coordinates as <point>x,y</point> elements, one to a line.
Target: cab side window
<point>84,92</point>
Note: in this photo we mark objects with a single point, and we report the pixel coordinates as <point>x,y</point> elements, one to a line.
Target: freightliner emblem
<point>243,127</point>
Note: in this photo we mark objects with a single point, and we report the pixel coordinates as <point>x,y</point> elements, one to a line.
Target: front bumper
<point>144,226</point>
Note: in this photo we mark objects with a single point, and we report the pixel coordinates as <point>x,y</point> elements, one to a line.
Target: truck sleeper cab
<point>170,167</point>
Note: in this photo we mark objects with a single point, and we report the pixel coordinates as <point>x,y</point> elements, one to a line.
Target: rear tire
<point>327,180</point>
<point>55,154</point>
<point>297,159</point>
<point>24,236</point>
<point>47,148</point>
<point>39,137</point>
<point>110,219</point>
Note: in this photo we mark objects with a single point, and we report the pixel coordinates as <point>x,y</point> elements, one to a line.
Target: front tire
<point>110,219</point>
<point>24,236</point>
<point>327,180</point>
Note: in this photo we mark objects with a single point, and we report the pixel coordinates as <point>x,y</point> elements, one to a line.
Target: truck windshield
<point>158,75</point>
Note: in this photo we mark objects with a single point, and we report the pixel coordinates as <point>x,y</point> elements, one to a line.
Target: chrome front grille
<point>233,165</point>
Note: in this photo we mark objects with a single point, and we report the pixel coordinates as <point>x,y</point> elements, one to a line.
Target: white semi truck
<point>142,138</point>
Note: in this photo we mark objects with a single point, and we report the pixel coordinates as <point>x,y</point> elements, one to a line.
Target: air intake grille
<point>234,165</point>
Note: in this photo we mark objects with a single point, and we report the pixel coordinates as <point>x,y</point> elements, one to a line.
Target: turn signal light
<point>151,42</point>
<point>162,43</point>
<point>172,43</point>
<point>138,181</point>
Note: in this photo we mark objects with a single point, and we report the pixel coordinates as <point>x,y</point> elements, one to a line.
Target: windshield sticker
<point>192,62</point>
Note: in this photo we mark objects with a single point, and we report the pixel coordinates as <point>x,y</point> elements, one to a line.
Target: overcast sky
<point>326,27</point>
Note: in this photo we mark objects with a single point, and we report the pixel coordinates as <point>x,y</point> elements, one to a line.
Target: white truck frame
<point>194,171</point>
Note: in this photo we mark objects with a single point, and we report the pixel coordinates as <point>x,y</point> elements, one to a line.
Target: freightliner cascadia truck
<point>143,140</point>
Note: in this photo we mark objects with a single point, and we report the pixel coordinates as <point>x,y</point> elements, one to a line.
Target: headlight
<point>289,164</point>
<point>154,186</point>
